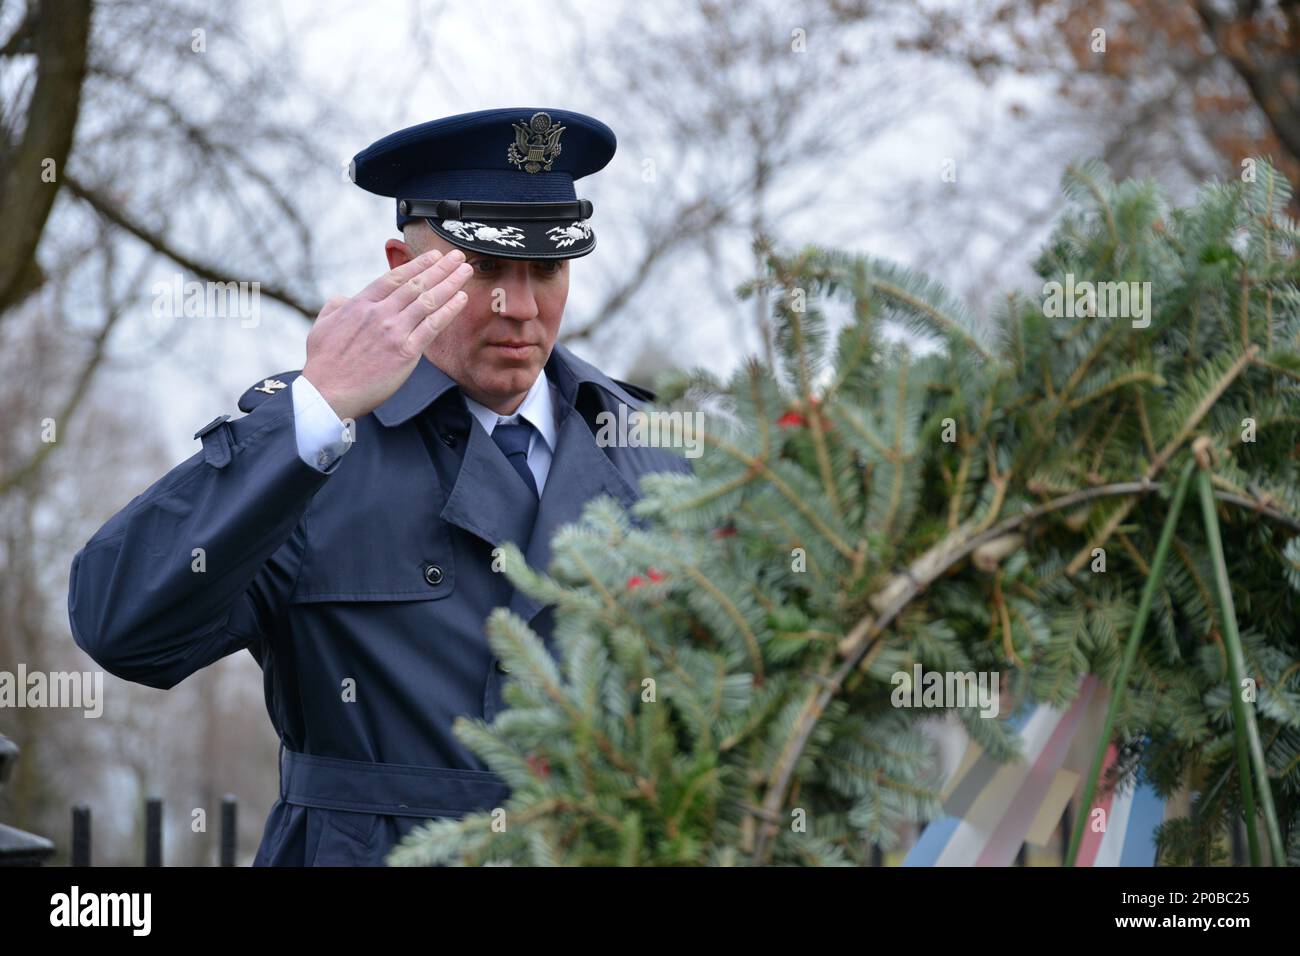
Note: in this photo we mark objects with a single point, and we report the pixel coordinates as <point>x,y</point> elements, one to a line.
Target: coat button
<point>501,667</point>
<point>433,575</point>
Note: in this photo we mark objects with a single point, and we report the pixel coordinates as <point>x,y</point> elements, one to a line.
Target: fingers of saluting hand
<point>394,280</point>
<point>430,323</point>
<point>430,290</point>
<point>426,285</point>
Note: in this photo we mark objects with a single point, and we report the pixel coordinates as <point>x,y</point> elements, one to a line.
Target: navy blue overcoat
<point>362,593</point>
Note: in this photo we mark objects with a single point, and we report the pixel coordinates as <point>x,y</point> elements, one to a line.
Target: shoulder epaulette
<point>265,389</point>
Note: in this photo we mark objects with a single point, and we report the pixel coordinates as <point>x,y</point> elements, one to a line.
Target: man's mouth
<point>515,348</point>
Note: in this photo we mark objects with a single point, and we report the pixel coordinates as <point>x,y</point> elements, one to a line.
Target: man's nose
<point>517,300</point>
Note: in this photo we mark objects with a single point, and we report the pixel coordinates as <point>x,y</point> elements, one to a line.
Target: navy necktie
<point>513,441</point>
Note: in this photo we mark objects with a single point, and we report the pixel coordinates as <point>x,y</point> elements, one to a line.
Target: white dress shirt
<point>322,440</point>
<point>318,430</point>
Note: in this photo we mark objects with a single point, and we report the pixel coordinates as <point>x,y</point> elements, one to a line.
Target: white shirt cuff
<point>319,431</point>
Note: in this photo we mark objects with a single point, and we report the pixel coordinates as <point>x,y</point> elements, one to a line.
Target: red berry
<point>540,765</point>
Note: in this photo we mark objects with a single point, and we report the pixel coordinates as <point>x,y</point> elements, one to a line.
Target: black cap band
<point>509,211</point>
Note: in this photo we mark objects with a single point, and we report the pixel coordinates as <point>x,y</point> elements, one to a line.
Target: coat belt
<point>334,783</point>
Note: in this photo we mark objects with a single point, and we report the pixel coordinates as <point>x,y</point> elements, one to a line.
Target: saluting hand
<point>362,349</point>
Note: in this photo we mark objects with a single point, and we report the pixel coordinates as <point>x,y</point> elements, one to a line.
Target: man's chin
<point>508,380</point>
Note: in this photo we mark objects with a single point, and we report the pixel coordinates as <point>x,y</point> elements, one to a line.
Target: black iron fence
<point>20,848</point>
<point>153,833</point>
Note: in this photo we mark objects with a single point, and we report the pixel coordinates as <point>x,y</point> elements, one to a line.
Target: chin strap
<point>456,209</point>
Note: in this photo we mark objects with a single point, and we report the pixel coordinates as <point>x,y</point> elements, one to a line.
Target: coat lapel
<point>580,471</point>
<point>489,499</point>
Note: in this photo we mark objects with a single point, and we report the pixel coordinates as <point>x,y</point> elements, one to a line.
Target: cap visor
<point>519,239</point>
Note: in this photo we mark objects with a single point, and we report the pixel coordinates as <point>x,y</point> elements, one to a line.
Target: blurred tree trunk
<point>58,34</point>
<point>1264,49</point>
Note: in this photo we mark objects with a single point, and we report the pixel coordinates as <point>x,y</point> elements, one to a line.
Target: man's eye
<point>485,266</point>
<point>550,267</point>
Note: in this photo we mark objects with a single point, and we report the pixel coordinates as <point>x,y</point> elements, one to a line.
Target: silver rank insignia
<point>536,145</point>
<point>270,386</point>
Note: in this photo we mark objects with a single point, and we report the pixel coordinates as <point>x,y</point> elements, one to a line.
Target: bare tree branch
<point>160,245</point>
<point>699,219</point>
<point>80,387</point>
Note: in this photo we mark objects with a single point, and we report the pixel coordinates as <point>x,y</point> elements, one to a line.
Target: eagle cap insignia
<point>536,144</point>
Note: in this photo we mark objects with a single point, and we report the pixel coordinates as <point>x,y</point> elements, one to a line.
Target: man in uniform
<point>344,530</point>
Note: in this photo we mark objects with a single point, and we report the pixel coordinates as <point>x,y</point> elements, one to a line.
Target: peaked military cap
<point>498,182</point>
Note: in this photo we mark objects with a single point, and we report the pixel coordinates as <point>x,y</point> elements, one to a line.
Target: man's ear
<point>398,252</point>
